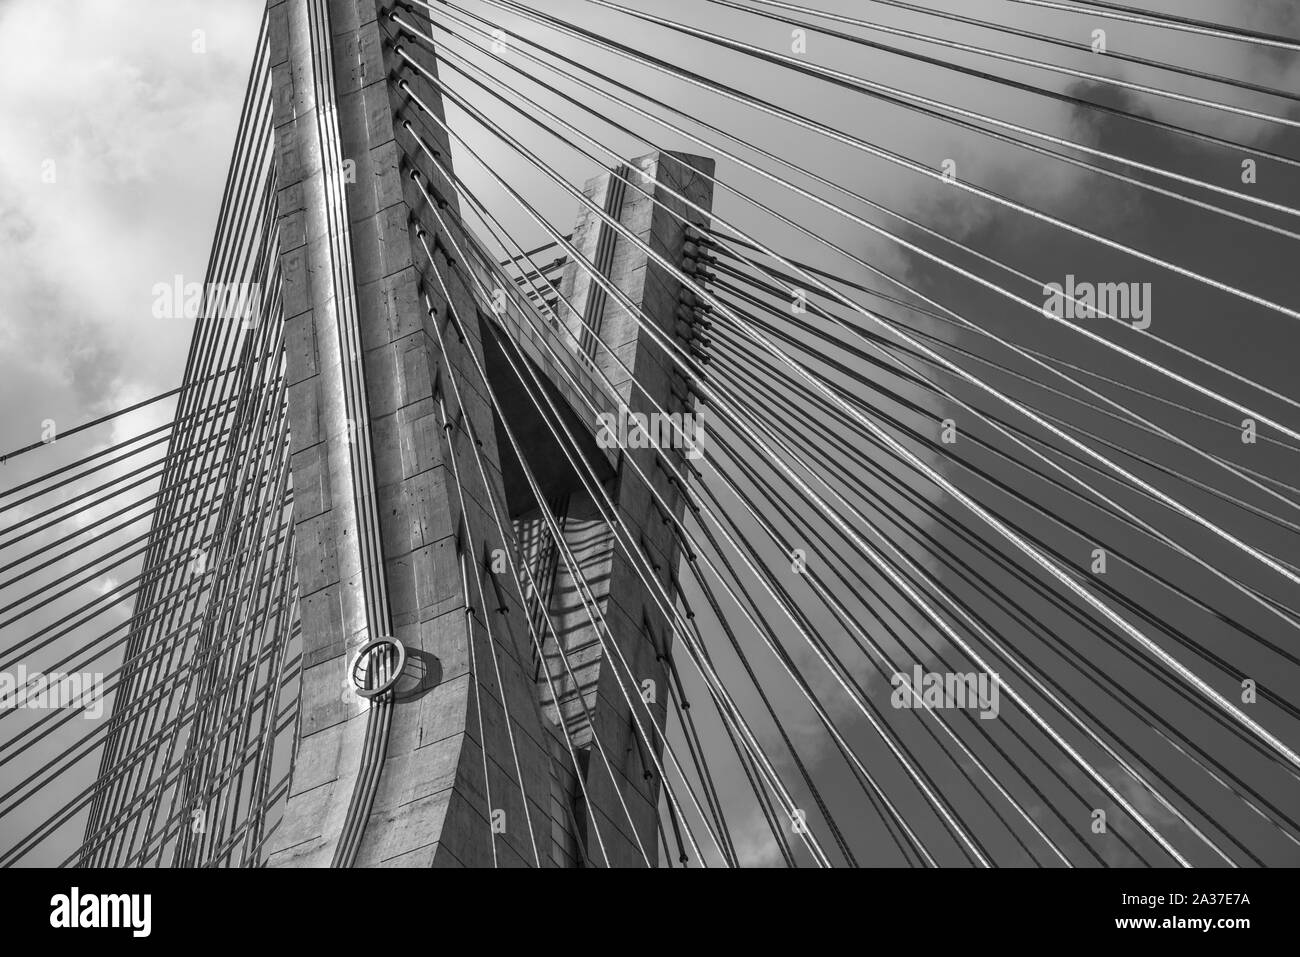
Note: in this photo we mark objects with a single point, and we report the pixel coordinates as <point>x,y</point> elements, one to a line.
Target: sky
<point>138,127</point>
<point>111,171</point>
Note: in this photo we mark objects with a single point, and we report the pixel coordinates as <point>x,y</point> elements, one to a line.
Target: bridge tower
<point>382,457</point>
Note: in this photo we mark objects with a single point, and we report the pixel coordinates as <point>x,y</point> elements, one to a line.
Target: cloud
<point>755,846</point>
<point>112,169</point>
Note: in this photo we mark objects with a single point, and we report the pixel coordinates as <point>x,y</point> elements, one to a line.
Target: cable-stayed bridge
<point>891,463</point>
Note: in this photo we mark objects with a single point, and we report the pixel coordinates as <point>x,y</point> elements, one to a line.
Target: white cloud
<point>139,129</point>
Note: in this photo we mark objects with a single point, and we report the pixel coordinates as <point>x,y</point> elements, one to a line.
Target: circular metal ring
<point>368,647</point>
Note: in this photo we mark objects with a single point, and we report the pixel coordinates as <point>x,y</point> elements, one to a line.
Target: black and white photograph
<point>649,434</point>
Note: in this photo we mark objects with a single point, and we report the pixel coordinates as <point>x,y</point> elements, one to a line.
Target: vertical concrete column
<point>328,561</point>
<point>339,118</point>
<point>640,630</point>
